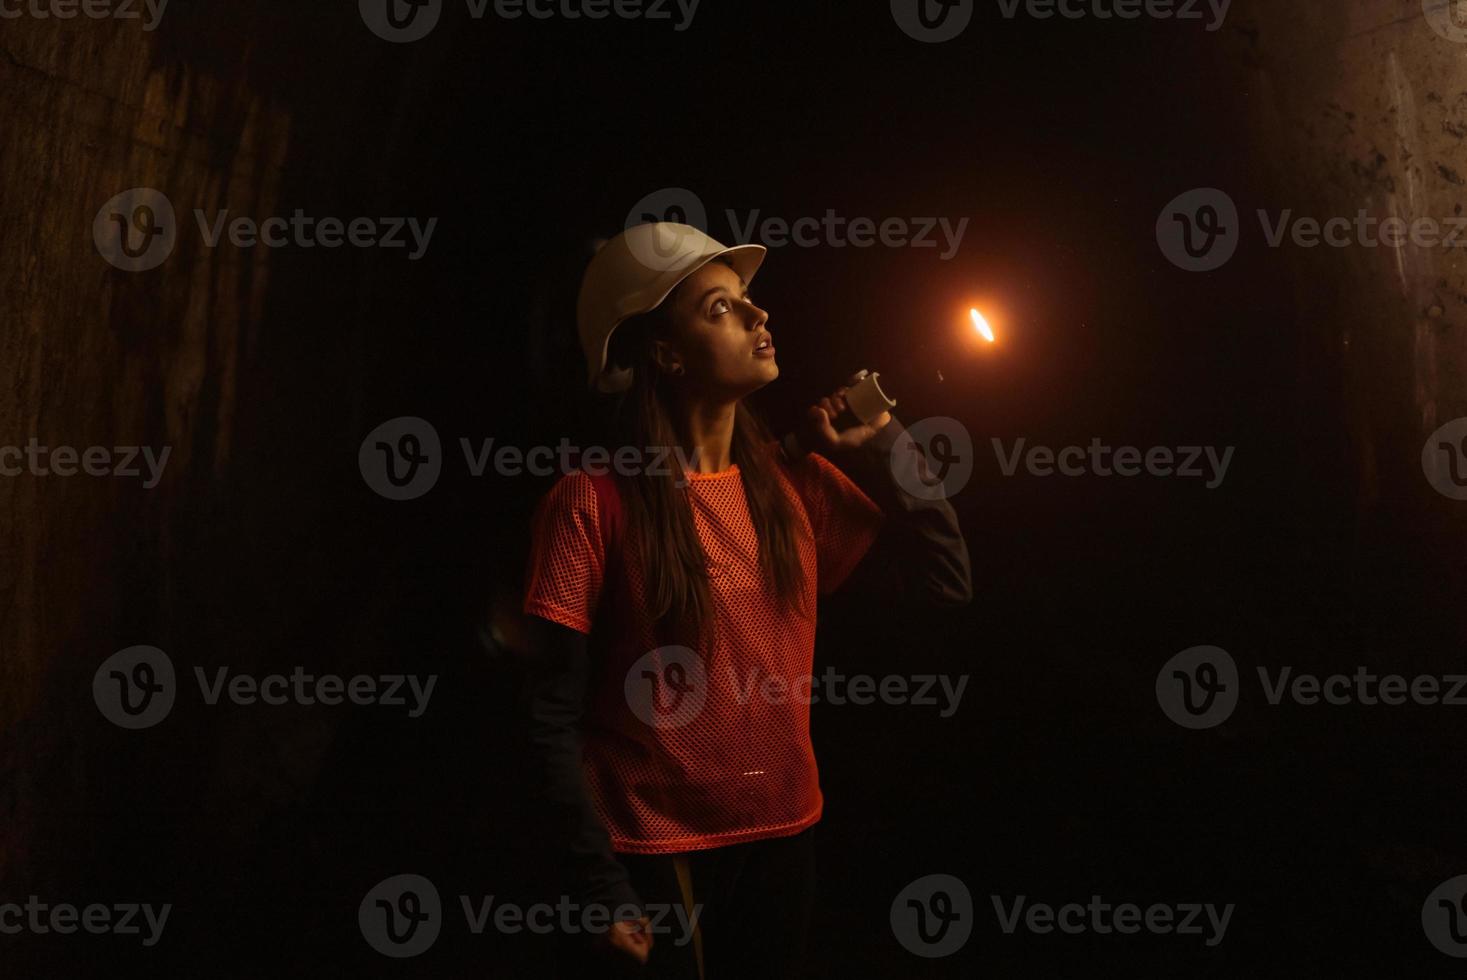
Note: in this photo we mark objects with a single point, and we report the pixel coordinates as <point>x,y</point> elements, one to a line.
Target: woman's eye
<point>720,307</point>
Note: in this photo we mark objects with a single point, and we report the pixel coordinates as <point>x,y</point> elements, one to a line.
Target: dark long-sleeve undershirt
<point>920,558</point>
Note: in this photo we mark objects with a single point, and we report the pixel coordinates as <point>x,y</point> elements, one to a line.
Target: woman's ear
<point>668,360</point>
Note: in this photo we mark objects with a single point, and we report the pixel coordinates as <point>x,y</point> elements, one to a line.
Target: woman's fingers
<point>820,419</point>
<point>632,938</point>
<point>822,415</point>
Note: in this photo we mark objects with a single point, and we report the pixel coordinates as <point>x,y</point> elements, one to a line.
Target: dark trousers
<point>756,903</point>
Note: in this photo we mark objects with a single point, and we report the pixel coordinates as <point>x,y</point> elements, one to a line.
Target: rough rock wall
<point>1362,107</point>
<point>225,356</point>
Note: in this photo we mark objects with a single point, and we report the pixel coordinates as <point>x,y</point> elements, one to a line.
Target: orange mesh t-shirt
<point>686,750</point>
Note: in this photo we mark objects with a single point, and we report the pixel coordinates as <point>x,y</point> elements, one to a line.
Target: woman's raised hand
<point>820,432</point>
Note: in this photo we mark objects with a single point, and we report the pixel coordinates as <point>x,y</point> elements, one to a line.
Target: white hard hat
<point>633,273</point>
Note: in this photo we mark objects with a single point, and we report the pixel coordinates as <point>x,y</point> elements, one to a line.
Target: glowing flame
<point>981,325</point>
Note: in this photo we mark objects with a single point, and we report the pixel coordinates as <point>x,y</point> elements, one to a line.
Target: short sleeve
<point>567,560</point>
<point>844,520</point>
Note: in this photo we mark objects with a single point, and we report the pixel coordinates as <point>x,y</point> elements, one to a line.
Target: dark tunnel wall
<point>262,383</point>
<point>1355,107</point>
<point>232,358</point>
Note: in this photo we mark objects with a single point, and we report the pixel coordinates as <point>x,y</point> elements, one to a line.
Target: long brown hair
<point>659,518</point>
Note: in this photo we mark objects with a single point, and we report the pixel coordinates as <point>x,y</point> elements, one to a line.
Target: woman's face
<point>718,336</point>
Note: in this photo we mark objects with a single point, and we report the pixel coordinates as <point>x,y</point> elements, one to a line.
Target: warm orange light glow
<point>981,325</point>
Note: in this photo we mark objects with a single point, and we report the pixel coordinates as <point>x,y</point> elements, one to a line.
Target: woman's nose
<point>754,316</point>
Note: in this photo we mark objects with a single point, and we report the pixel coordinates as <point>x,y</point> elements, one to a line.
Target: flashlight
<point>865,400</point>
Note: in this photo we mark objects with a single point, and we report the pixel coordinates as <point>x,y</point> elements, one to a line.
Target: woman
<point>673,614</point>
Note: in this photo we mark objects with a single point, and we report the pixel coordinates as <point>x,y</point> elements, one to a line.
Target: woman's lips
<point>765,351</point>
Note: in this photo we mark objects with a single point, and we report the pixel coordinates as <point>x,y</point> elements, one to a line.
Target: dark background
<point>1058,778</point>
